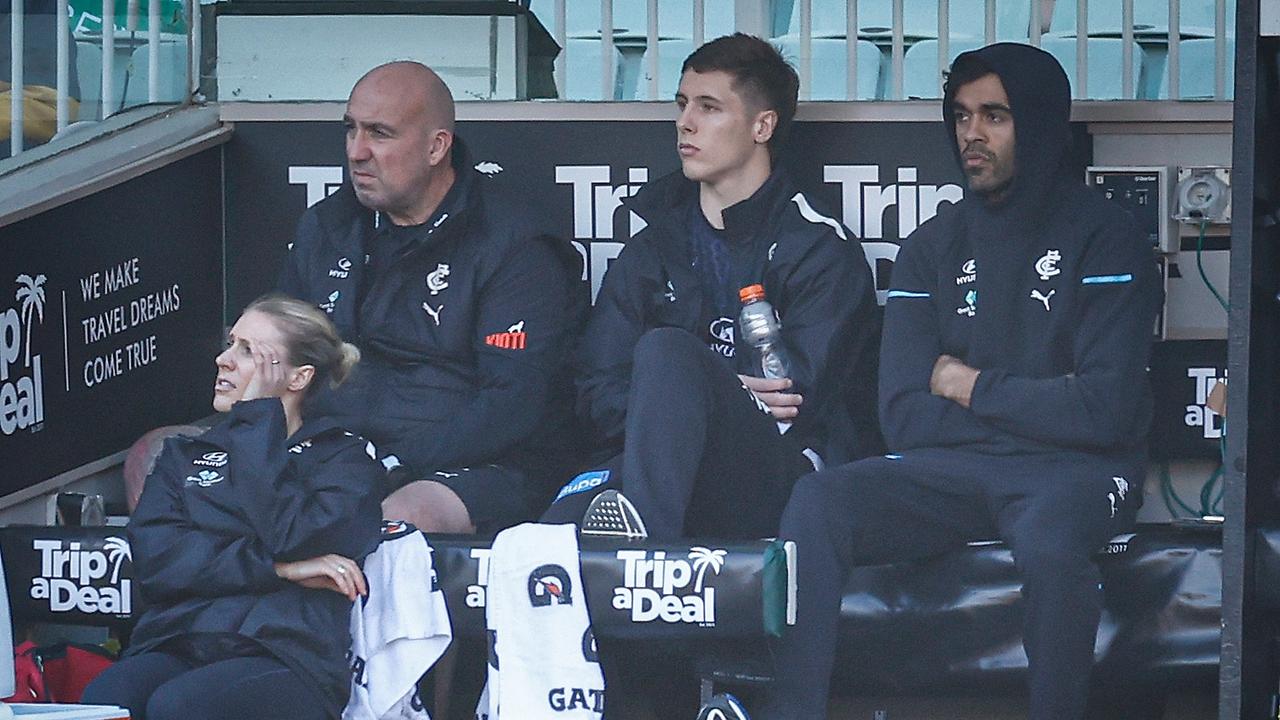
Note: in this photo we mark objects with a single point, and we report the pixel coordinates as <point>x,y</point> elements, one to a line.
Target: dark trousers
<point>1054,512</point>
<point>160,686</point>
<point>701,456</point>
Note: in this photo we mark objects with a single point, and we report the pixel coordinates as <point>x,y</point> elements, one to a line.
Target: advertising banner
<point>881,179</point>
<point>110,316</point>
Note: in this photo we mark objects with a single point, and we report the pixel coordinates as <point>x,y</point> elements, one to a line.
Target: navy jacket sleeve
<point>1100,403</point>
<point>604,357</point>
<point>828,321</point>
<point>174,559</point>
<point>524,330</point>
<point>910,415</point>
<point>324,507</point>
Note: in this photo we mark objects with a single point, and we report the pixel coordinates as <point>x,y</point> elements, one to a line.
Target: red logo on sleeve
<point>513,339</point>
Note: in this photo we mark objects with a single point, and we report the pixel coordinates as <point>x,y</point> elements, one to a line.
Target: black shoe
<point>612,514</point>
<point>723,706</point>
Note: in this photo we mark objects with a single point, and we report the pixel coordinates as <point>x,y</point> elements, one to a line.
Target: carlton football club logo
<point>550,584</point>
<point>21,378</point>
<point>73,577</point>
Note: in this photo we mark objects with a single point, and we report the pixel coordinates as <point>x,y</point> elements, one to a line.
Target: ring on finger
<point>342,570</point>
<point>275,362</point>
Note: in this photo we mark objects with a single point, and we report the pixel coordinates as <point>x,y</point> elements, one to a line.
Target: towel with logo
<point>399,630</point>
<point>542,654</point>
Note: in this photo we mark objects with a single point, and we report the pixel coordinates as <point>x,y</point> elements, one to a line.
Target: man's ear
<point>764,126</point>
<point>438,148</point>
<point>302,377</point>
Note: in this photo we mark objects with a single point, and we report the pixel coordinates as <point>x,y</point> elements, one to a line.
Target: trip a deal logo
<point>656,587</point>
<point>85,579</point>
<point>21,372</point>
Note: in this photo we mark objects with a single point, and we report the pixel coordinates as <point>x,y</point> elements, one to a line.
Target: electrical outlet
<point>1204,195</point>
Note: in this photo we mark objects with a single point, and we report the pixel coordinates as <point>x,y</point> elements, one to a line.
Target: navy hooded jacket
<point>1051,294</point>
<point>814,274</point>
<point>464,336</point>
<point>220,509</point>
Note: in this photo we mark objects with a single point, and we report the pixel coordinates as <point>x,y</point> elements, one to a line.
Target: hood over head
<point>1040,100</point>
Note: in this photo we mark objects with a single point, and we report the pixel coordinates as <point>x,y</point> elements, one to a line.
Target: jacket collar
<point>666,203</point>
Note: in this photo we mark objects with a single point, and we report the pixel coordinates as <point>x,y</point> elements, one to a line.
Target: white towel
<point>398,631</point>
<point>542,661</point>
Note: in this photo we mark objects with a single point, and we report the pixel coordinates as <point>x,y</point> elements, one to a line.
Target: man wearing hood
<point>700,441</point>
<point>1013,391</point>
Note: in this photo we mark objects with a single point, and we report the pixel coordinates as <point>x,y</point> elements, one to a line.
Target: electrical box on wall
<point>1144,192</point>
<point>1204,195</point>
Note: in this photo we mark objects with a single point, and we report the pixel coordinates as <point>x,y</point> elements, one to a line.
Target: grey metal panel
<point>109,160</point>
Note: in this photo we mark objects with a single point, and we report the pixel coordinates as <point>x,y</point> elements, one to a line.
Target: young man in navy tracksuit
<point>464,309</point>
<point>701,442</point>
<point>1013,391</point>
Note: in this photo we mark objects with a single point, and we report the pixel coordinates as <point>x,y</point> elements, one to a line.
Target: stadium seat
<point>671,56</point>
<point>631,19</point>
<point>173,74</point>
<point>1196,18</point>
<point>920,76</point>
<point>1105,65</point>
<point>919,20</point>
<point>1195,70</point>
<point>582,71</point>
<point>829,68</point>
<point>89,69</point>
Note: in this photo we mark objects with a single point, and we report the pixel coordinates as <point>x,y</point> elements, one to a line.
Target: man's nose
<point>684,121</point>
<point>357,147</point>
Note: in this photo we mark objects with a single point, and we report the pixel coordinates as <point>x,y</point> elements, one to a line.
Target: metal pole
<point>561,34</point>
<point>899,48</point>
<point>62,25</point>
<point>806,48</point>
<point>194,41</point>
<point>1082,48</point>
<point>944,41</point>
<point>989,22</point>
<point>1175,50</point>
<point>1036,22</point>
<point>108,58</point>
<point>851,49</point>
<point>651,47</point>
<point>1220,51</point>
<point>699,22</point>
<point>15,76</point>
<point>1126,50</point>
<point>606,50</point>
<point>153,50</point>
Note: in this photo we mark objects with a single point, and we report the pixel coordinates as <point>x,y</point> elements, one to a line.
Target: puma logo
<point>433,312</point>
<point>1037,295</point>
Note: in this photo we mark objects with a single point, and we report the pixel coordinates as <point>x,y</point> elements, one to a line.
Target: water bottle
<point>758,325</point>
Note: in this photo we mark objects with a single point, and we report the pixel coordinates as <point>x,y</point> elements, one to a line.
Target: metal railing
<point>106,82</point>
<point>1150,54</point>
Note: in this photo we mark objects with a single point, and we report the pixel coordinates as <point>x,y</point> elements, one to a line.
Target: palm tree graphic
<point>702,559</point>
<point>117,551</point>
<point>31,295</point>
